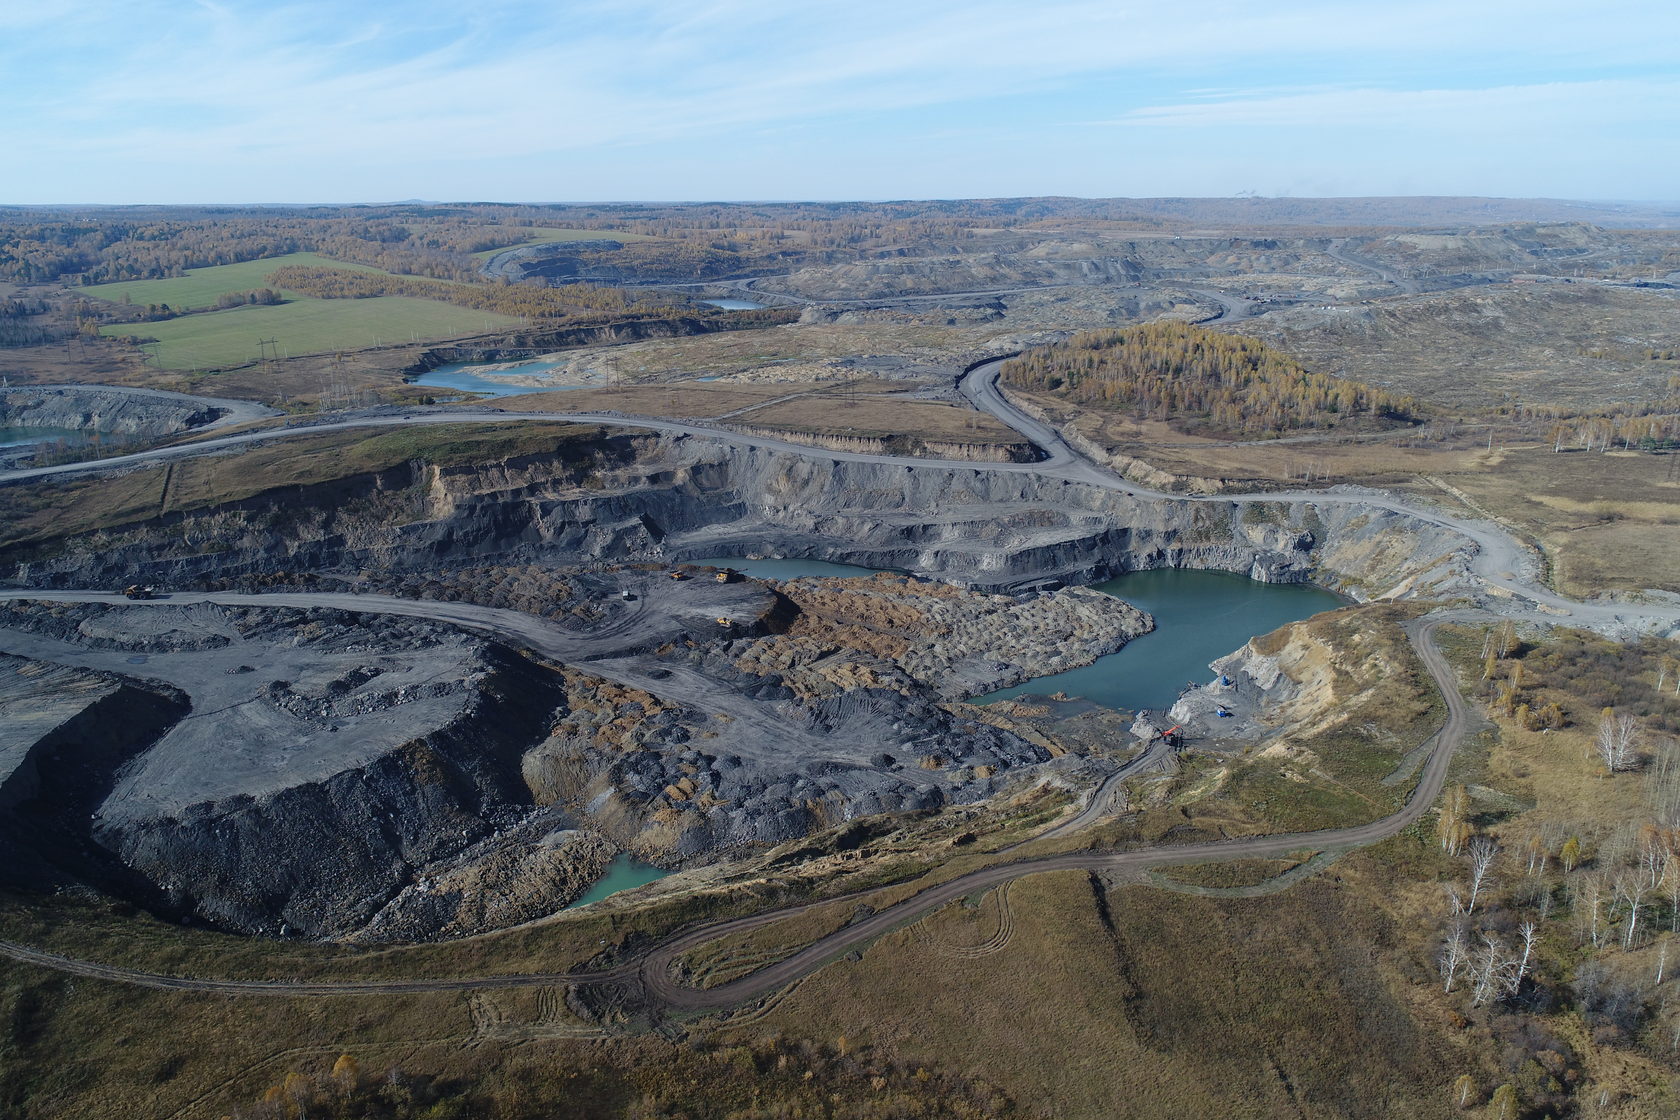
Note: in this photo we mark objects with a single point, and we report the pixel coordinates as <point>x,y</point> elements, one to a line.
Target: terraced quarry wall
<point>659,499</point>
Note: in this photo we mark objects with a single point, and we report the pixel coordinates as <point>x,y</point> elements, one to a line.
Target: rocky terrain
<point>960,644</point>
<point>659,499</point>
<point>399,741</point>
<point>466,787</point>
<point>137,414</point>
<point>1580,344</point>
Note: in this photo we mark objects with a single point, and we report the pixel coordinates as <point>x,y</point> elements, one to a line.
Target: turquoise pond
<point>22,437</point>
<point>466,377</point>
<point>624,873</point>
<point>1199,616</point>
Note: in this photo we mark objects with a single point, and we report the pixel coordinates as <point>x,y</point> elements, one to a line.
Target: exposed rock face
<point>329,760</point>
<point>517,876</point>
<point>659,499</point>
<point>64,735</point>
<point>376,778</point>
<point>89,408</point>
<point>956,643</point>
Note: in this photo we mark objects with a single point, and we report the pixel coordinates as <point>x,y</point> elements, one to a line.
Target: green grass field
<point>538,235</point>
<point>199,287</point>
<point>307,326</point>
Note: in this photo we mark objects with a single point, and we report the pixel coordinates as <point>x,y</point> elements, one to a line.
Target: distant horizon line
<point>1258,198</point>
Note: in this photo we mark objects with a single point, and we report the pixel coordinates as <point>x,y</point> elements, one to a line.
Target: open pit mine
<point>462,691</point>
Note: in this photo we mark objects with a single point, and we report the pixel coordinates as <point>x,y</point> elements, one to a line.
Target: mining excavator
<point>1172,736</point>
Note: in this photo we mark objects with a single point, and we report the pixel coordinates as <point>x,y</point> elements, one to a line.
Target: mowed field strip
<point>305,326</point>
<point>199,287</point>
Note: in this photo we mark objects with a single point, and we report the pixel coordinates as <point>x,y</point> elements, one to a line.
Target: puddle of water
<point>460,377</point>
<point>624,873</point>
<point>23,437</point>
<point>1199,616</point>
<point>734,304</point>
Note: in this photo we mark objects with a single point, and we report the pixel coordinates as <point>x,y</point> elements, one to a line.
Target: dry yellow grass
<point>1140,1003</point>
<point>875,416</point>
<point>680,399</point>
<point>1607,521</point>
<point>797,352</point>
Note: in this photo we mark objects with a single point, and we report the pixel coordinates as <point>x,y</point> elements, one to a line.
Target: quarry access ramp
<point>1505,568</point>
<point>654,971</point>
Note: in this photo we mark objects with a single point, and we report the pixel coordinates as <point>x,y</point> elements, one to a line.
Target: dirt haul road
<point>1504,566</point>
<point>655,970</point>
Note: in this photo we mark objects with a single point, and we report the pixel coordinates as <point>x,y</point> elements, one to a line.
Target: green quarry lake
<point>467,377</point>
<point>624,873</point>
<point>1199,616</point>
<point>22,437</point>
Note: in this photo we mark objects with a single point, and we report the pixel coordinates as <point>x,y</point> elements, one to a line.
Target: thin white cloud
<point>1549,105</point>
<point>232,87</point>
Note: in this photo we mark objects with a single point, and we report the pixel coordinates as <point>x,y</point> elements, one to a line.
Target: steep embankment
<point>365,756</point>
<point>662,498</point>
<point>86,408</point>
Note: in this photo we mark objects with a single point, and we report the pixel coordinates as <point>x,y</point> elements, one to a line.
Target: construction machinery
<point>1172,736</point>
<point>140,591</point>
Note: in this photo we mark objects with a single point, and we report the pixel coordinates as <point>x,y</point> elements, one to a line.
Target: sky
<point>191,101</point>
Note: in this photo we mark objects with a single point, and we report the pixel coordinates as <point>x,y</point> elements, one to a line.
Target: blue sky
<point>362,100</point>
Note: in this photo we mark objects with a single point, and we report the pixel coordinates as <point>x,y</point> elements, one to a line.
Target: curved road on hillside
<point>232,411</point>
<point>1499,562</point>
<point>655,970</point>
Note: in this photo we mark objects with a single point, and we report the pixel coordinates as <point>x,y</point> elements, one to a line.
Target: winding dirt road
<point>1498,562</point>
<point>655,972</point>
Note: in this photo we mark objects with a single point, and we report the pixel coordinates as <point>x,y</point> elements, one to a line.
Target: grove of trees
<point>1202,381</point>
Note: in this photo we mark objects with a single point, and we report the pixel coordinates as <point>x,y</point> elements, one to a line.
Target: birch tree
<point>1615,740</point>
<point>1530,932</point>
<point>1570,854</point>
<point>1454,952</point>
<point>1483,851</point>
<point>1491,971</point>
<point>1589,905</point>
<point>1453,827</point>
<point>1630,892</point>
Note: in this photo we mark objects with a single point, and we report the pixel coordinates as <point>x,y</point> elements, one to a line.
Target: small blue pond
<point>1199,616</point>
<point>467,377</point>
<point>624,873</point>
<point>23,437</point>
